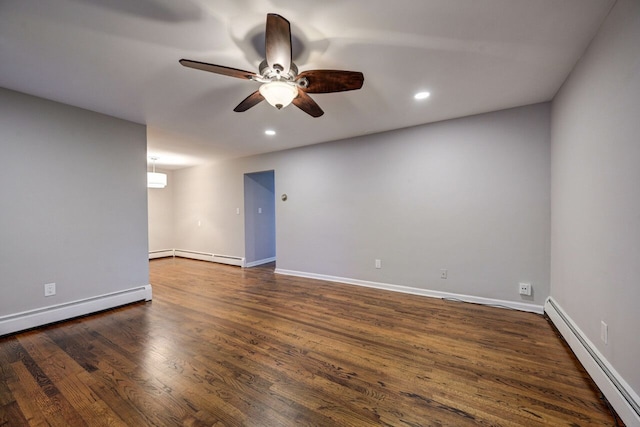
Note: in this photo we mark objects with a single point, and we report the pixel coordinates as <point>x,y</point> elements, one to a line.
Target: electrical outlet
<point>49,289</point>
<point>378,263</point>
<point>443,274</point>
<point>525,289</point>
<point>604,332</point>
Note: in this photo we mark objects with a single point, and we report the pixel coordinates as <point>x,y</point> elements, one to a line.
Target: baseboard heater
<point>163,253</point>
<point>620,394</point>
<point>65,311</point>
<point>205,256</point>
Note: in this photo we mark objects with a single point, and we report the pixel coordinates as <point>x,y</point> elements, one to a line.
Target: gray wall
<point>259,216</point>
<point>74,208</point>
<point>595,263</point>
<point>470,195</point>
<point>205,203</point>
<point>161,221</point>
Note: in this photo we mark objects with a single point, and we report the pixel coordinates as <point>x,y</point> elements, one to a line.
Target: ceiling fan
<point>281,83</point>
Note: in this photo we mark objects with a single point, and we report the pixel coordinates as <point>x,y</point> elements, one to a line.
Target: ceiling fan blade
<point>278,43</point>
<point>327,81</point>
<point>218,69</point>
<point>250,101</point>
<point>306,104</point>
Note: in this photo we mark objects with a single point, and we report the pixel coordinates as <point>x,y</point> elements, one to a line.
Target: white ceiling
<point>120,57</point>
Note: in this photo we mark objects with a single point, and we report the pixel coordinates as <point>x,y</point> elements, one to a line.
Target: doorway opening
<point>259,218</point>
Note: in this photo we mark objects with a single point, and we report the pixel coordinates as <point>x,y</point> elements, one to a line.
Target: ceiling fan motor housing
<point>275,73</point>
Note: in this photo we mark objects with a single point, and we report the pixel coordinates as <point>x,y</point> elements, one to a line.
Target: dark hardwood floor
<point>220,345</point>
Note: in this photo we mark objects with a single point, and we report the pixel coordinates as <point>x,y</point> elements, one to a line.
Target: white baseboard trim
<point>206,256</point>
<point>162,253</point>
<point>56,313</point>
<point>533,308</point>
<point>619,394</point>
<point>260,262</point>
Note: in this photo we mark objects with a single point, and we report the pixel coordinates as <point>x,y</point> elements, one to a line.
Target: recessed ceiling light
<point>422,95</point>
<point>270,132</point>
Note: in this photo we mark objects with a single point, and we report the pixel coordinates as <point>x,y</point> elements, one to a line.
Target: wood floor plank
<point>71,379</point>
<point>41,406</point>
<point>12,415</point>
<point>225,346</point>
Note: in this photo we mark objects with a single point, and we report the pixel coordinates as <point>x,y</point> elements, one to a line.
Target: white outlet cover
<point>525,289</point>
<point>49,289</point>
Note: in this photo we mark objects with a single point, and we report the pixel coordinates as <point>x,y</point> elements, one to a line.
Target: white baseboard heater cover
<point>56,313</point>
<point>162,253</point>
<point>620,394</point>
<point>205,256</point>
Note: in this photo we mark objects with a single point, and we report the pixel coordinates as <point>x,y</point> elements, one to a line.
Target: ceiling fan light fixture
<point>278,93</point>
